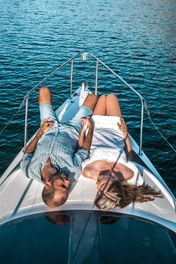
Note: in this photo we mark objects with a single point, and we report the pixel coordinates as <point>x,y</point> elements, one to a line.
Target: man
<point>54,156</point>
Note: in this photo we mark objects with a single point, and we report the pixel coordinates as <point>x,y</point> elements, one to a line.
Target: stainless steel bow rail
<point>84,56</point>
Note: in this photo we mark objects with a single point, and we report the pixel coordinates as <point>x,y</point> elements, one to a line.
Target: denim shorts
<point>46,110</point>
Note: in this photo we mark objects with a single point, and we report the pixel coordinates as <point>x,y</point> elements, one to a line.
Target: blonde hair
<point>121,195</point>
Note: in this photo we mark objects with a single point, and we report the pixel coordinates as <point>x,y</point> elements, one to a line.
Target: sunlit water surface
<point>136,38</point>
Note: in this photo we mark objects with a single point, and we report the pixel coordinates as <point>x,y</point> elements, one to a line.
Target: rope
<point>10,120</point>
<point>148,113</point>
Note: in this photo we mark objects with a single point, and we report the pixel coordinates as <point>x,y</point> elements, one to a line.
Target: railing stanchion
<point>129,86</point>
<point>141,128</point>
<point>96,78</point>
<point>71,78</point>
<point>26,122</point>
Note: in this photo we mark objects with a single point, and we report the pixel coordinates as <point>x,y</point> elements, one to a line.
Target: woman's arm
<point>126,173</point>
<point>128,148</point>
<point>90,172</point>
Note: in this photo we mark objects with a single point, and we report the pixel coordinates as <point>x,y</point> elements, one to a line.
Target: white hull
<point>20,196</point>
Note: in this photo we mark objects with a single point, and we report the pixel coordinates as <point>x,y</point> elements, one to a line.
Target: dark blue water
<point>136,38</point>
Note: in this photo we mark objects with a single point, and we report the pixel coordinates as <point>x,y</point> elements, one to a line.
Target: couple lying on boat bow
<point>60,152</point>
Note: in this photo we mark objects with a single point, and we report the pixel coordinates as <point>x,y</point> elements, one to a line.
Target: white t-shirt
<point>108,144</point>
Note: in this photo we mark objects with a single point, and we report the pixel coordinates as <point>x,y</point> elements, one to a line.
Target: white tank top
<point>108,144</point>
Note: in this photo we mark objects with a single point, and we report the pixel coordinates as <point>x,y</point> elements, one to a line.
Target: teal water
<point>136,38</point>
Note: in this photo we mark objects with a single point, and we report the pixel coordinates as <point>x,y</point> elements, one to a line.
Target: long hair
<point>120,195</point>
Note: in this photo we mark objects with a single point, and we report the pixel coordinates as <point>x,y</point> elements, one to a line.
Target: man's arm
<point>82,134</point>
<point>128,148</point>
<point>84,144</point>
<point>46,125</point>
<point>88,140</point>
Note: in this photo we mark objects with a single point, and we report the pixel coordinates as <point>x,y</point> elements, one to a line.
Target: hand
<point>46,125</point>
<point>123,127</point>
<point>86,123</point>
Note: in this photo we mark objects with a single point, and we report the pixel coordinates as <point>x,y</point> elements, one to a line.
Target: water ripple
<point>136,38</point>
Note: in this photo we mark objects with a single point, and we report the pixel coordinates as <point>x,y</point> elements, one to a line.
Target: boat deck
<point>20,196</point>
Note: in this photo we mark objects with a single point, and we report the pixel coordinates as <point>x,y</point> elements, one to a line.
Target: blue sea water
<point>136,38</point>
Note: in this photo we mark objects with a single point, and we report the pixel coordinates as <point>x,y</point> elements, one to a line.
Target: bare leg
<point>45,96</point>
<point>100,108</point>
<point>90,101</point>
<point>112,105</point>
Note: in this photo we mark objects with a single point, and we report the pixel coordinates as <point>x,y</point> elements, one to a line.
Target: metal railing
<point>129,86</point>
<point>84,57</point>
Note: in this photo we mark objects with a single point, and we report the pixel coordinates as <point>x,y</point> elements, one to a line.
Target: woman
<point>118,180</point>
